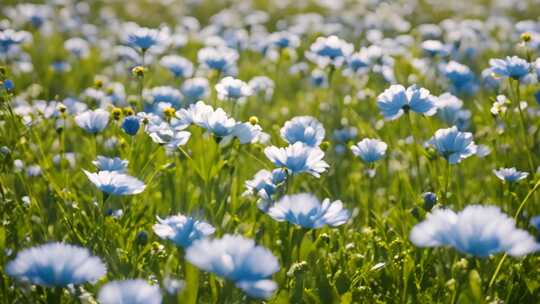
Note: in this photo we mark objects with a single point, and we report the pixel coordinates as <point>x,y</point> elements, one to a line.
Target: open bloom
<point>110,164</point>
<point>182,230</point>
<point>129,292</point>
<point>305,129</point>
<point>329,50</point>
<point>56,264</point>
<point>143,37</point>
<point>93,121</point>
<point>510,175</point>
<point>476,230</point>
<point>177,65</point>
<point>220,59</point>
<point>238,259</point>
<point>298,158</point>
<point>513,67</point>
<point>167,135</point>
<point>369,150</point>
<point>396,100</point>
<point>230,88</point>
<point>306,210</point>
<point>115,183</point>
<point>453,144</point>
<point>195,89</point>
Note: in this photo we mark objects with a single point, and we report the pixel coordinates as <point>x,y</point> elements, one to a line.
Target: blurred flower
<point>510,175</point>
<point>163,94</point>
<point>143,37</point>
<point>453,144</point>
<point>305,129</point>
<point>284,40</point>
<point>449,109</point>
<point>298,158</point>
<point>535,222</point>
<point>396,100</point>
<point>129,292</point>
<point>476,230</point>
<point>131,125</point>
<point>220,59</point>
<point>262,85</point>
<point>430,199</point>
<point>233,89</point>
<point>103,163</point>
<point>318,78</point>
<point>78,47</point>
<point>238,259</point>
<point>93,121</point>
<point>461,77</point>
<point>435,48</point>
<point>195,89</point>
<point>182,230</point>
<point>306,210</point>
<point>329,51</point>
<point>500,105</point>
<point>177,65</point>
<point>115,183</point>
<point>56,264</point>
<point>513,67</point>
<point>165,134</point>
<point>369,150</point>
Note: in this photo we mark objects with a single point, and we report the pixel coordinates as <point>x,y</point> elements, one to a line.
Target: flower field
<point>309,151</point>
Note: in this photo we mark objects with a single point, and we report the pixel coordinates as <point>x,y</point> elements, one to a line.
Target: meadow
<point>308,151</point>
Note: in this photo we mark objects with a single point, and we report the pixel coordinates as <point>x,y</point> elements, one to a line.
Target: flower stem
<point>523,126</point>
<point>415,149</point>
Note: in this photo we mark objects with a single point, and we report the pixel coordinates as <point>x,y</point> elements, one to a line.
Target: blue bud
<point>131,125</point>
<point>9,85</point>
<point>430,199</point>
<point>537,96</point>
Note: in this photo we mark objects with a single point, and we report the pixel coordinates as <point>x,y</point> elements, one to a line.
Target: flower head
<point>115,183</point>
<point>93,121</point>
<point>177,65</point>
<point>129,292</point>
<point>195,89</point>
<point>230,88</point>
<point>182,230</point>
<point>145,38</point>
<point>221,59</point>
<point>329,50</point>
<point>238,259</point>
<point>369,150</point>
<point>56,264</point>
<point>513,67</point>
<point>131,125</point>
<point>510,175</point>
<point>103,163</point>
<point>298,158</point>
<point>476,230</point>
<point>306,210</point>
<point>453,144</point>
<point>305,129</point>
<point>396,100</point>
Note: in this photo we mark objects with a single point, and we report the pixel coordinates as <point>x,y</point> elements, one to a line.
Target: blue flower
<point>329,50</point>
<point>306,210</point>
<point>453,144</point>
<point>461,77</point>
<point>305,129</point>
<point>263,86</point>
<point>284,40</point>
<point>220,59</point>
<point>449,109</point>
<point>131,125</point>
<point>513,67</point>
<point>9,85</point>
<point>168,135</point>
<point>476,230</point>
<point>435,48</point>
<point>93,121</point>
<point>369,150</point>
<point>177,65</point>
<point>164,94</point>
<point>238,259</point>
<point>430,199</point>
<point>56,264</point>
<point>510,175</point>
<point>115,183</point>
<point>318,78</point>
<point>195,89</point>
<point>396,100</point>
<point>298,158</point>
<point>144,38</point>
<point>230,88</point>
<point>129,292</point>
<point>182,230</point>
<point>103,163</point>
<point>535,222</point>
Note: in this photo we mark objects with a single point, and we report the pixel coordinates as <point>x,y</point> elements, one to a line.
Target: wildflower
<point>513,67</point>
<point>449,109</point>
<point>9,85</point>
<point>115,183</point>
<point>230,88</point>
<point>164,134</point>
<point>265,183</point>
<point>284,40</point>
<point>535,222</point>
<point>453,144</point>
<point>369,150</point>
<point>499,106</point>
<point>318,78</point>
<point>329,51</point>
<point>182,230</point>
<point>195,89</point>
<point>144,38</point>
<point>93,121</point>
<point>305,129</point>
<point>510,175</point>
<point>476,230</point>
<point>430,199</point>
<point>298,158</point>
<point>131,125</point>
<point>262,85</point>
<point>164,94</point>
<point>220,59</point>
<point>78,47</point>
<point>219,123</point>
<point>396,100</point>
<point>461,77</point>
<point>56,264</point>
<point>306,210</point>
<point>138,71</point>
<point>435,48</point>
<point>129,292</point>
<point>103,163</point>
<point>238,259</point>
<point>177,65</point>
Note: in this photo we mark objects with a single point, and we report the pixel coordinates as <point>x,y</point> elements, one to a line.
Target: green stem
<point>447,182</point>
<point>523,126</point>
<point>415,148</point>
